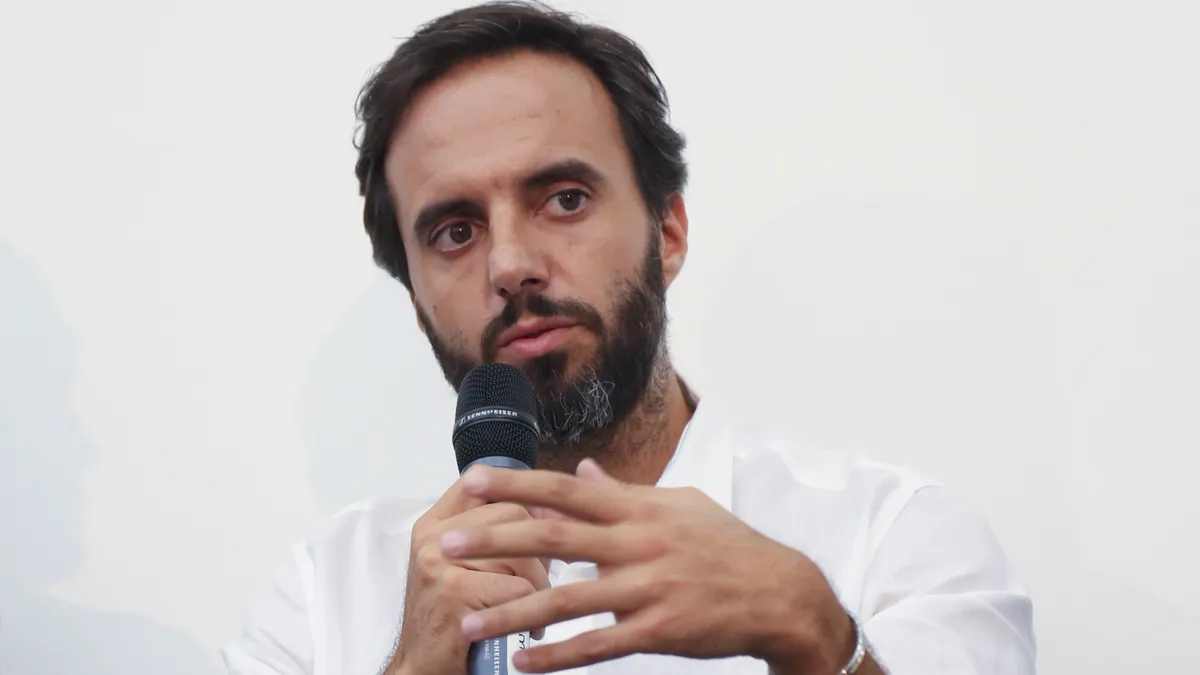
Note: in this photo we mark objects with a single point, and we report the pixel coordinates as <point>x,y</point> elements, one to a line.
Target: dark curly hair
<point>494,29</point>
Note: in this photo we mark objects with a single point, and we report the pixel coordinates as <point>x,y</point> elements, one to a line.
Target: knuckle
<point>649,509</point>
<point>649,544</point>
<point>514,588</point>
<point>657,587</point>
<point>500,512</point>
<point>653,590</point>
<point>662,588</point>
<point>657,627</point>
<point>561,487</point>
<point>424,568</point>
<point>552,534</point>
<point>525,587</point>
<point>516,512</point>
<point>597,648</point>
<point>452,581</point>
<point>420,532</point>
<point>537,576</point>
<point>428,558</point>
<point>562,601</point>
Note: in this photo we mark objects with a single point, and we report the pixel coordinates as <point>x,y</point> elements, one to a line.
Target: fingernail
<point>472,624</point>
<point>454,542</point>
<point>520,660</point>
<point>588,469</point>
<point>475,480</point>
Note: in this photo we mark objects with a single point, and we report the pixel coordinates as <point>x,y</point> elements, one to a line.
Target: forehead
<point>487,123</point>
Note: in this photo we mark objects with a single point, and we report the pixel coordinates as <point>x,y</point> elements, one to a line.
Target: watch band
<point>860,649</point>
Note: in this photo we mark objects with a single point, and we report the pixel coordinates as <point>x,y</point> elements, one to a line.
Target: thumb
<point>589,469</point>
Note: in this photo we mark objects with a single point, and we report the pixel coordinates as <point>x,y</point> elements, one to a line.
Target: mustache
<point>540,306</point>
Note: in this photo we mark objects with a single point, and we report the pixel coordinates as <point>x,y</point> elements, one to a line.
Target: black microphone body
<point>495,423</point>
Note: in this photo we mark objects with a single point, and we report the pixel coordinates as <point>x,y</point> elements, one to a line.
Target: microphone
<point>495,423</point>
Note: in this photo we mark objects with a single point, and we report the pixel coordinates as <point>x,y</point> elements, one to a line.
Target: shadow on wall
<point>44,456</point>
<point>915,335</point>
<point>376,410</point>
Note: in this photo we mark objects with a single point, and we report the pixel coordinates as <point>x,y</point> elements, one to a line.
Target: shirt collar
<point>703,458</point>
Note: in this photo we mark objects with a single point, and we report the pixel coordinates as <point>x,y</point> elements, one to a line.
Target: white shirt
<point>922,573</point>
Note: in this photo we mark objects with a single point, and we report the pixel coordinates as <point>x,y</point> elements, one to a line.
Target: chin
<point>559,366</point>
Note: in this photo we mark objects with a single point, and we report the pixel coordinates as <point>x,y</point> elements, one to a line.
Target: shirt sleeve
<point>942,598</point>
<point>277,638</point>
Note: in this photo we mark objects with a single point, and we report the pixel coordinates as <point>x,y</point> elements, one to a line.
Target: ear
<point>674,239</point>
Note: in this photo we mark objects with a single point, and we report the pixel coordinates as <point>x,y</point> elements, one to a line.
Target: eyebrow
<point>567,170</point>
<point>436,212</point>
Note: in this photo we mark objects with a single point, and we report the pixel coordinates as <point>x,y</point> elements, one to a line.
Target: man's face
<point>527,239</point>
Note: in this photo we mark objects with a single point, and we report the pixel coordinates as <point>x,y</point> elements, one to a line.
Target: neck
<point>639,449</point>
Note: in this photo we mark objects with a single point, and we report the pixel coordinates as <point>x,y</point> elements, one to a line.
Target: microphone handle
<point>491,657</point>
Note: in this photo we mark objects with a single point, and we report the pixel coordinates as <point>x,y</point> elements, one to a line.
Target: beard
<point>588,406</point>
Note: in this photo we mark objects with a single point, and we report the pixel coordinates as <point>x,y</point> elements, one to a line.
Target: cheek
<point>458,316</point>
<point>598,258</point>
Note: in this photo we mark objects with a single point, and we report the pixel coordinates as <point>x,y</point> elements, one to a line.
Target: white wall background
<point>964,236</point>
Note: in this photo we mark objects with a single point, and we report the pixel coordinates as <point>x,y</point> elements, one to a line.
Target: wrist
<point>820,641</point>
<point>402,669</point>
<point>397,666</point>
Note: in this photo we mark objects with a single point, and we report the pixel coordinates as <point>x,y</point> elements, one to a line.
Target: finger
<point>592,501</point>
<point>594,646</point>
<point>497,590</point>
<point>552,606</point>
<point>491,514</point>
<point>590,470</point>
<point>536,538</point>
<point>455,500</point>
<point>493,590</point>
<point>487,514</point>
<point>532,569</point>
<point>547,513</point>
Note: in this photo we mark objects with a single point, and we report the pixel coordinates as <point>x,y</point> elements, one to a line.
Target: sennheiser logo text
<point>486,412</point>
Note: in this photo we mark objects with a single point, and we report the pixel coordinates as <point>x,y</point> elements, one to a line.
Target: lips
<point>531,330</point>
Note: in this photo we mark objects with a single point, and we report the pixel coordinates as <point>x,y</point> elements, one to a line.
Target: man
<point>522,182</point>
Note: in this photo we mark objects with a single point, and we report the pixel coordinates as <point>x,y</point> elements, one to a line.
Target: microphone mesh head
<point>498,385</point>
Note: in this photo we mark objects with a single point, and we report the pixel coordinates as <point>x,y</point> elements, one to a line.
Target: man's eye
<point>568,201</point>
<point>454,236</point>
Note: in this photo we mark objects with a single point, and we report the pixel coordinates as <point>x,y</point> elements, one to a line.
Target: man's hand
<point>682,576</point>
<point>440,591</point>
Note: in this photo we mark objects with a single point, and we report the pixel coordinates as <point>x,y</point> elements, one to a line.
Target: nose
<point>515,264</point>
